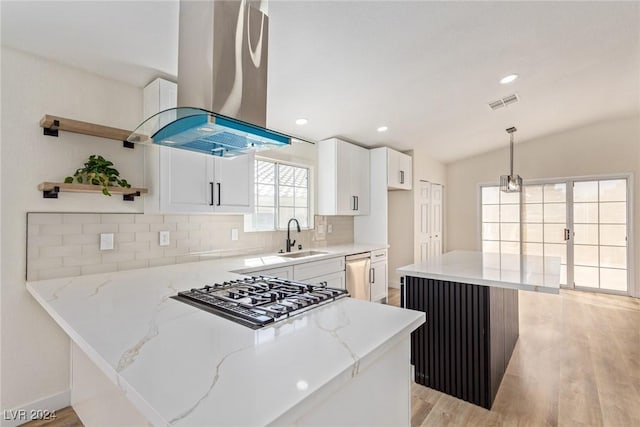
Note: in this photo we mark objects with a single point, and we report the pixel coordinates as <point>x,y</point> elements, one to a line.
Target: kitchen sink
<point>302,254</point>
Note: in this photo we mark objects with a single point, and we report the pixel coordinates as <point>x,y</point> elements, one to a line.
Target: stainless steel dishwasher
<point>358,269</point>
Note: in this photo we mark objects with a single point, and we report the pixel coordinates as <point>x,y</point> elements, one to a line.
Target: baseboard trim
<point>394,285</point>
<point>25,413</point>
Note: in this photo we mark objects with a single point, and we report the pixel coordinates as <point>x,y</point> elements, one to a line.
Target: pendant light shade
<point>511,183</point>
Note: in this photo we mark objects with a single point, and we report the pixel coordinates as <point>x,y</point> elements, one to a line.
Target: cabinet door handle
<point>567,234</point>
<point>219,192</point>
<point>211,187</point>
<point>357,203</point>
<point>372,275</point>
<point>353,199</point>
<point>401,177</point>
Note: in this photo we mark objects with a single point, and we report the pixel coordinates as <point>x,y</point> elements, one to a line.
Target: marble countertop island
<point>522,272</point>
<point>179,365</point>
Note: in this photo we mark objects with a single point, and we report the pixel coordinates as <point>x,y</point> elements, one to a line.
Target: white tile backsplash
<point>66,244</point>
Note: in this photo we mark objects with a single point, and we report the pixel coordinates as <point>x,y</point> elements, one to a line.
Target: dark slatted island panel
<point>465,345</point>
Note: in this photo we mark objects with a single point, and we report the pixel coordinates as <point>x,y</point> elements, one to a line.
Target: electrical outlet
<point>234,234</point>
<point>106,241</point>
<point>330,228</point>
<point>164,238</point>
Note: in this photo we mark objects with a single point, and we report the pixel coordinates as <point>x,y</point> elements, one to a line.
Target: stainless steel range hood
<point>222,82</point>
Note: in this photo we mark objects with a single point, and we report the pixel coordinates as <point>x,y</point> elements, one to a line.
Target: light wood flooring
<point>576,363</point>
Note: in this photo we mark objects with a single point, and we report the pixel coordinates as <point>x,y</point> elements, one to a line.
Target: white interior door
<point>435,220</point>
<point>424,209</point>
<point>429,240</point>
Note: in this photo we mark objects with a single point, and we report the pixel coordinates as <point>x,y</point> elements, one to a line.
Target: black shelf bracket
<point>130,197</point>
<point>51,194</point>
<point>127,144</point>
<point>52,130</point>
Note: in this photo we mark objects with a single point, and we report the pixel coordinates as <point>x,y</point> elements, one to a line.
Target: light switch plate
<point>164,238</point>
<point>234,234</point>
<point>330,228</point>
<point>106,241</point>
<point>320,229</point>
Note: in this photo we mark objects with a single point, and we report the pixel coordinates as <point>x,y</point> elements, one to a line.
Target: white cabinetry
<point>279,272</point>
<point>343,178</point>
<point>399,170</point>
<point>185,182</point>
<point>379,276</point>
<point>195,183</point>
<point>332,280</point>
<point>330,271</point>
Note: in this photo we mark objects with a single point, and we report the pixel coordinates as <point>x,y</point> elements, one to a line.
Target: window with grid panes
<point>281,193</point>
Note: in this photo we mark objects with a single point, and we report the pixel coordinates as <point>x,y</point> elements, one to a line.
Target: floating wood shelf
<point>53,124</point>
<point>50,190</point>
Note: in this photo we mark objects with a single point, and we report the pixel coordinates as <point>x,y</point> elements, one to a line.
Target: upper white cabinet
<point>343,178</point>
<point>193,183</point>
<point>181,181</point>
<point>399,170</point>
<point>159,95</point>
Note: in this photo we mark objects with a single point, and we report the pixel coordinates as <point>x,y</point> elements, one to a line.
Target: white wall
<point>35,352</point>
<point>607,147</point>
<point>404,218</point>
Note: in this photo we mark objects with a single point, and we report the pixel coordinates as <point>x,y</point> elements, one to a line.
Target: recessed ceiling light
<point>508,79</point>
<point>383,129</point>
<point>301,122</point>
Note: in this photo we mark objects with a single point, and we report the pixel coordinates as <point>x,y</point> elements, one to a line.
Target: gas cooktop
<point>259,301</point>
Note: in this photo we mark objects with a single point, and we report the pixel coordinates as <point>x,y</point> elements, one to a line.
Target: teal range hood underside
<point>203,131</point>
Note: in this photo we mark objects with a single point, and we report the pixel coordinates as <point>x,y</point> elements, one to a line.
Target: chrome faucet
<point>289,242</point>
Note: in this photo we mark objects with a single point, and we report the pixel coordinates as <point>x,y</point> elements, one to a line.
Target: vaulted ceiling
<point>425,69</point>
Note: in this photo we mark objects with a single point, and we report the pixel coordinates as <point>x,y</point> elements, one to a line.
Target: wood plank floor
<point>65,417</point>
<point>577,362</point>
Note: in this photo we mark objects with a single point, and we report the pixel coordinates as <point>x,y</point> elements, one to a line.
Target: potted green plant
<point>98,171</point>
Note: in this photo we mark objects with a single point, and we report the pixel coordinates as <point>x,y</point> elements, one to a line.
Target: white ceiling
<point>425,69</point>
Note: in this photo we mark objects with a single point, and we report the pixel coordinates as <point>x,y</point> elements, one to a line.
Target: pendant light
<point>511,183</point>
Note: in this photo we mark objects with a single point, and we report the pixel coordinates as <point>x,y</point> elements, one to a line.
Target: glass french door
<point>600,230</point>
<point>585,222</point>
<point>544,223</point>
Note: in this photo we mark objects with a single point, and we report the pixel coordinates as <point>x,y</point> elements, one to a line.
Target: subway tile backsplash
<point>67,244</point>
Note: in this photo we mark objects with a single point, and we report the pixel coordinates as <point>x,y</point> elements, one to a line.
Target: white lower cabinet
<point>378,280</point>
<point>379,277</point>
<point>280,273</point>
<point>333,280</point>
<point>330,271</point>
<point>309,270</point>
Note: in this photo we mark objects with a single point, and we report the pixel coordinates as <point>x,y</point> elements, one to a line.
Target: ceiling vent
<point>503,102</point>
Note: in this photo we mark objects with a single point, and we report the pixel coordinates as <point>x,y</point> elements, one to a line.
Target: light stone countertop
<point>251,263</point>
<point>522,272</point>
<point>186,367</point>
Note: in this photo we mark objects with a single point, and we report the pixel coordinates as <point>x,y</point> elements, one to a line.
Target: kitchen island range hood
<point>203,131</point>
<point>222,83</point>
